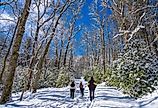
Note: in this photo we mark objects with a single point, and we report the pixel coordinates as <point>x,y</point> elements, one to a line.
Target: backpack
<point>72,85</point>
<point>91,85</point>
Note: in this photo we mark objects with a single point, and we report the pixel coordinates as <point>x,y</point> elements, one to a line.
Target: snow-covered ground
<point>149,101</point>
<point>105,97</point>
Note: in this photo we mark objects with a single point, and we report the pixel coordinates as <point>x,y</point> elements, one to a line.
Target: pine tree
<point>136,69</point>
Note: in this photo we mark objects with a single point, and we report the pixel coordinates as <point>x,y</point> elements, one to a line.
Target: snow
<point>105,97</point>
<point>149,101</point>
<point>131,33</point>
<point>117,35</point>
<point>135,31</point>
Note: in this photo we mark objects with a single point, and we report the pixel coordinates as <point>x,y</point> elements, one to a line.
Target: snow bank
<point>149,101</point>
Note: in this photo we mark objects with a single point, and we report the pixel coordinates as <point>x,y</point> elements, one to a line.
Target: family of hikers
<point>91,85</point>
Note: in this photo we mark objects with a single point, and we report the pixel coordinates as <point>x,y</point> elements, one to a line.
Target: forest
<point>47,43</point>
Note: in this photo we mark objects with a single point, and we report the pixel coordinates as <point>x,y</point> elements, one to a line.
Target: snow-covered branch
<point>6,3</point>
<point>131,33</point>
<point>143,8</point>
<point>135,31</point>
<point>114,8</point>
<point>141,17</point>
<point>117,35</point>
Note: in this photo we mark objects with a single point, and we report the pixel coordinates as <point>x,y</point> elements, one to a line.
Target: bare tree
<point>63,8</point>
<point>72,33</point>
<point>14,55</point>
<point>10,23</point>
<point>39,24</point>
<point>7,54</point>
<point>56,64</point>
<point>61,51</point>
<point>100,20</point>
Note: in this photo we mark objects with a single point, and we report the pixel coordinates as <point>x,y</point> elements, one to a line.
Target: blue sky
<point>86,22</point>
<point>85,11</point>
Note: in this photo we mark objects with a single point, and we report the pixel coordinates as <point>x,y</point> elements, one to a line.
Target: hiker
<point>82,88</point>
<point>92,85</point>
<point>72,89</point>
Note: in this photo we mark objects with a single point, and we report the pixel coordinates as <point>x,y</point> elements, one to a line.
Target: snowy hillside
<point>106,97</point>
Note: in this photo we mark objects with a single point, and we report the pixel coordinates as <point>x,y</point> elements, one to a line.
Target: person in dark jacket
<point>82,88</point>
<point>92,85</point>
<point>72,89</point>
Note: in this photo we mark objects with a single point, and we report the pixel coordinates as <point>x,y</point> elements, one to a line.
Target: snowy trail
<point>105,97</point>
<point>109,97</point>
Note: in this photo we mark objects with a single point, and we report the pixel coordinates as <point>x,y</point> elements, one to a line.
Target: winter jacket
<point>83,82</point>
<point>92,85</point>
<point>72,85</point>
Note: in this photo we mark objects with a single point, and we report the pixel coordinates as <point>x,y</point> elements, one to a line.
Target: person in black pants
<point>72,89</point>
<point>82,88</point>
<point>92,85</point>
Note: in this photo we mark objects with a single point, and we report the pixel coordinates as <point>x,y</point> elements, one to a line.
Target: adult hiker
<point>72,89</point>
<point>92,85</point>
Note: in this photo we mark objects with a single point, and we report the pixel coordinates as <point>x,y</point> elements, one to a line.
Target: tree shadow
<point>55,95</point>
<point>48,99</point>
<point>106,106</point>
<point>144,103</point>
<point>9,105</point>
<point>126,99</point>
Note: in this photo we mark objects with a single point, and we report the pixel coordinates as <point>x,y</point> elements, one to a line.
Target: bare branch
<point>143,8</point>
<point>6,3</point>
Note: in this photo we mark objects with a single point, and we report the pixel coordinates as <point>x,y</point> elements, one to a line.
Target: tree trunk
<point>56,57</point>
<point>103,49</point>
<point>6,93</point>
<point>68,44</point>
<point>60,55</point>
<point>146,36</point>
<point>66,51</point>
<point>6,56</point>
<point>71,58</point>
<point>32,61</point>
<point>109,47</point>
<point>30,72</point>
<point>4,44</point>
<point>39,66</point>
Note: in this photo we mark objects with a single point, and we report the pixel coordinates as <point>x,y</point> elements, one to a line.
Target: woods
<point>46,43</point>
<point>14,54</point>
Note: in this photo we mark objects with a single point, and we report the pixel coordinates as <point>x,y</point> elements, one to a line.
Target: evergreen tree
<point>136,69</point>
